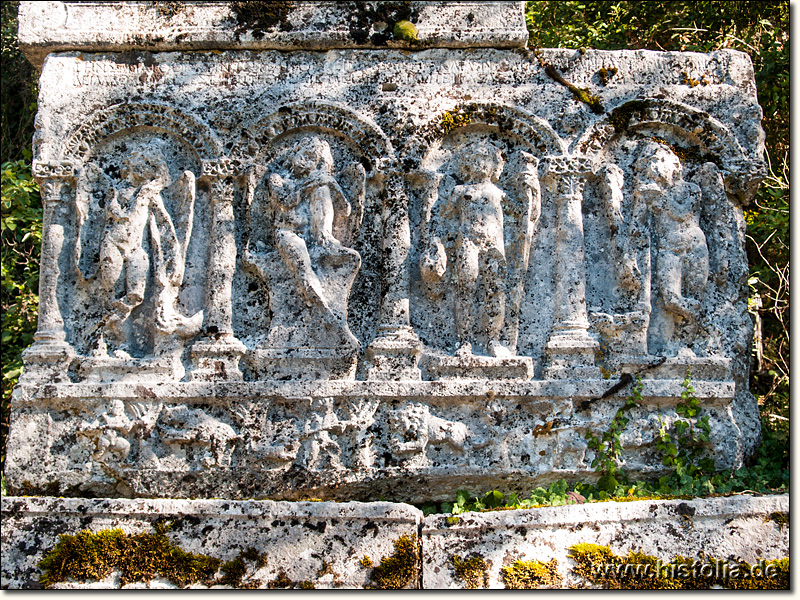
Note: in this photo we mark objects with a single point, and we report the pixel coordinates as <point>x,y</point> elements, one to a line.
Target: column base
<point>570,355</point>
<point>217,360</point>
<point>47,361</point>
<point>394,355</point>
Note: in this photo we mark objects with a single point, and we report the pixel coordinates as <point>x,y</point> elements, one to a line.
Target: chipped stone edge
<point>42,31</point>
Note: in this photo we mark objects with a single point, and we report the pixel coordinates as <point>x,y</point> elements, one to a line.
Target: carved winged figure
<point>135,206</point>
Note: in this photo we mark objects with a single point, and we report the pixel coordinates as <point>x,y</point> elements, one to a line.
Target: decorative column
<point>216,356</point>
<point>395,351</point>
<point>570,349</point>
<point>49,357</point>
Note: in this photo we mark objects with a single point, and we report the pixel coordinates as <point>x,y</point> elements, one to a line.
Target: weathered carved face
<point>659,164</point>
<point>142,166</point>
<point>481,161</point>
<point>312,153</point>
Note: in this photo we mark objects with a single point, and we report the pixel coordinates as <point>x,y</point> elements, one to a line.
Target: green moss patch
<point>638,571</point>
<point>474,571</point>
<point>531,574</point>
<point>398,571</point>
<point>141,557</point>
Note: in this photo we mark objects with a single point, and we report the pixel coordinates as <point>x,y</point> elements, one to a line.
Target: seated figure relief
<point>138,234</point>
<point>469,225</point>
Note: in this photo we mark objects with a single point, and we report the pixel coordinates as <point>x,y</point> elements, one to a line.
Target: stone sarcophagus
<point>373,250</point>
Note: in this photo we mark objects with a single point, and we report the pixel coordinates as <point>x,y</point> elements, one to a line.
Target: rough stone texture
<point>158,27</point>
<point>733,528</point>
<point>298,537</point>
<point>375,272</point>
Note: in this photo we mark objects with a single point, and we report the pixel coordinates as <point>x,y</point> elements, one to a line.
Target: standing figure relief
<point>135,207</point>
<point>489,233</point>
<point>680,252</point>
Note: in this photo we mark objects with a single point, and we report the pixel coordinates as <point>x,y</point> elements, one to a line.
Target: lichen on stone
<point>531,574</point>
<point>258,17</point>
<point>474,571</point>
<point>398,571</point>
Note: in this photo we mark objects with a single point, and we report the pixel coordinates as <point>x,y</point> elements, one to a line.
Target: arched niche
<point>443,146</point>
<point>268,145</point>
<point>135,116</point>
<point>626,243</point>
<point>99,149</point>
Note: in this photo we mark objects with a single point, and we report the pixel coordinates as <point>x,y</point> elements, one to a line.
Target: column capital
<point>63,170</point>
<point>223,167</point>
<point>552,166</point>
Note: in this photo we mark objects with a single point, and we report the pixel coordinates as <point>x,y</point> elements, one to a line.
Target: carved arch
<point>123,117</point>
<point>534,130</point>
<point>742,173</point>
<point>367,136</point>
<point>695,125</point>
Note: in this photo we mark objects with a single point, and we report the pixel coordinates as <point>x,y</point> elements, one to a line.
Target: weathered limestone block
<point>737,528</point>
<point>327,257</point>
<point>319,543</point>
<point>324,544</point>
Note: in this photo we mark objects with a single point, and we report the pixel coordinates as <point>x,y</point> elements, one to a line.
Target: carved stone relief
<point>302,221</point>
<point>134,216</point>
<point>348,273</point>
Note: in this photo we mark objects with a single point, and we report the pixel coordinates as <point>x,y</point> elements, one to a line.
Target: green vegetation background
<point>759,28</point>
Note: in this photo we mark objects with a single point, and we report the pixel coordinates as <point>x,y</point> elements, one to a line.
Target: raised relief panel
<point>346,270</point>
<point>134,216</point>
<point>303,214</point>
<point>479,207</point>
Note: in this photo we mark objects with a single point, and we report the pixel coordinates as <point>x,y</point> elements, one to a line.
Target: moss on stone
<point>398,571</point>
<point>405,31</point>
<point>282,582</point>
<point>141,557</point>
<point>474,571</point>
<point>365,561</point>
<point>234,571</point>
<point>580,94</point>
<point>531,574</point>
<point>621,116</point>
<point>781,518</point>
<point>638,571</point>
<point>606,74</point>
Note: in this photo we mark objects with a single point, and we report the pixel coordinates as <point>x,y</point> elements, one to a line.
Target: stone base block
<point>332,545</point>
<point>730,529</point>
<point>217,360</point>
<point>477,367</point>
<point>303,544</point>
<point>95,369</point>
<point>47,362</point>
<point>302,364</point>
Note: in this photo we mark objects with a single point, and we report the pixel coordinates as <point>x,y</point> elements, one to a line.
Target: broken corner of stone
<point>289,253</point>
